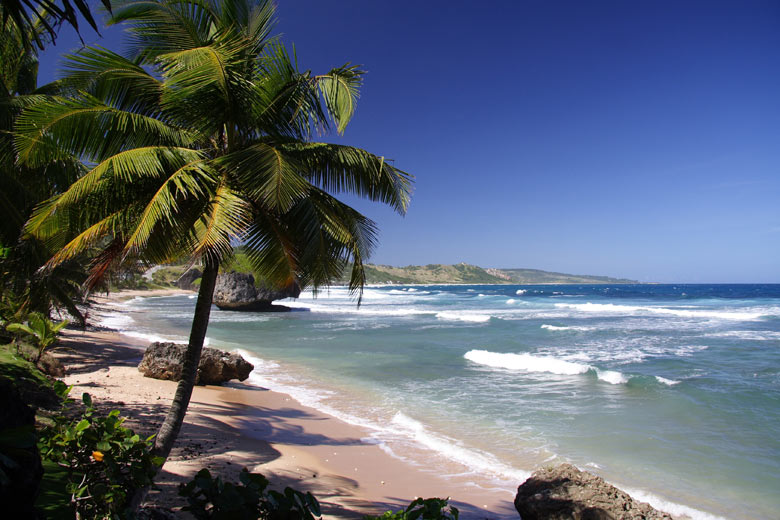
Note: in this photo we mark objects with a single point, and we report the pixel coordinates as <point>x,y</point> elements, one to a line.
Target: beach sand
<point>239,425</point>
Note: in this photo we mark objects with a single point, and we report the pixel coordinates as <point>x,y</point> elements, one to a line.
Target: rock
<point>165,361</point>
<point>565,493</point>
<point>21,462</point>
<point>237,292</point>
<point>186,280</point>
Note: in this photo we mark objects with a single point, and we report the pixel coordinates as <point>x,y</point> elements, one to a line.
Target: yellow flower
<point>98,456</point>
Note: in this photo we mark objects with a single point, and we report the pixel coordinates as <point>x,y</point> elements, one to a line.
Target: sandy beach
<point>239,425</point>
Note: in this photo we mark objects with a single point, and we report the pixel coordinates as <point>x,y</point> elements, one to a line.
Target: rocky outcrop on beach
<point>186,280</point>
<point>165,361</point>
<point>564,492</point>
<point>237,292</point>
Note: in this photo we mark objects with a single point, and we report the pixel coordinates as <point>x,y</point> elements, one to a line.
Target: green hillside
<point>534,276</point>
<point>465,273</point>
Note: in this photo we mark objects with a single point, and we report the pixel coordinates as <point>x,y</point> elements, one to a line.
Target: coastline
<point>242,425</point>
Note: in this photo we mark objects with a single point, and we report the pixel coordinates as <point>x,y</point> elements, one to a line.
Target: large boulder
<point>187,280</point>
<point>165,361</point>
<point>237,292</point>
<point>565,493</point>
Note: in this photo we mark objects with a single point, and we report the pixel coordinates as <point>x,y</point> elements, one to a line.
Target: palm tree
<point>201,140</point>
<point>32,18</point>
<point>22,188</point>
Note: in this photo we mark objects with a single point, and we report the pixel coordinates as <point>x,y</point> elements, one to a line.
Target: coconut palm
<point>30,19</point>
<point>200,140</point>
<point>21,188</point>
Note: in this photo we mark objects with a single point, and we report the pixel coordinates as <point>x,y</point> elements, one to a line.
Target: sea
<point>670,392</point>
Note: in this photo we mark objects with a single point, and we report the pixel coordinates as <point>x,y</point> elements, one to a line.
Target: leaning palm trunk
<point>169,429</point>
<point>212,149</point>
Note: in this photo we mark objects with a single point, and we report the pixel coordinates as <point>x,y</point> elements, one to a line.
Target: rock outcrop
<point>565,493</point>
<point>237,292</point>
<point>165,361</point>
<point>186,281</point>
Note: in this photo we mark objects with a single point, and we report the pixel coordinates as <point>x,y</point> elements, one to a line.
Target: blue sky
<point>632,139</point>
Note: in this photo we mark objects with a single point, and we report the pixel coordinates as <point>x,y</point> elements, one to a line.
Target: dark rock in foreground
<point>237,292</point>
<point>165,361</point>
<point>565,493</point>
<point>20,462</point>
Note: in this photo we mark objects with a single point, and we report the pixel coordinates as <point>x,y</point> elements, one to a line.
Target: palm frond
<point>341,89</point>
<point>345,169</point>
<point>224,221</point>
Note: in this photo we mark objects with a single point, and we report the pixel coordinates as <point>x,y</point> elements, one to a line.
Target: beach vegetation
<point>23,187</point>
<point>199,140</point>
<point>211,498</point>
<point>39,330</point>
<point>102,461</point>
<point>421,509</point>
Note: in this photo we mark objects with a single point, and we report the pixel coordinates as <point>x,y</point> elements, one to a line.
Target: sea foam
<point>548,364</point>
<point>463,316</point>
<point>527,362</point>
<point>611,308</point>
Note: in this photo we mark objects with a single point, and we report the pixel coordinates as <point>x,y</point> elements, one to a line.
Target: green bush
<point>210,498</point>
<point>40,330</point>
<point>104,461</point>
<point>421,509</point>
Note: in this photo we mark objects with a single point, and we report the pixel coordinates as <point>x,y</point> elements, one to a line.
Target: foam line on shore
<point>400,428</point>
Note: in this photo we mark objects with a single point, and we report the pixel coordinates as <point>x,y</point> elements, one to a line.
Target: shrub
<point>210,498</point>
<point>421,509</point>
<point>105,462</point>
<point>40,330</point>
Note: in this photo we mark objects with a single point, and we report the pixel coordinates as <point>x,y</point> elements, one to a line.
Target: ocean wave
<point>510,301</point>
<point>527,362</point>
<point>748,335</point>
<point>667,382</point>
<point>544,364</point>
<point>673,508</point>
<point>612,377</point>
<point>611,308</point>
<point>556,327</point>
<point>451,449</point>
<point>269,374</point>
<point>520,291</point>
<point>463,316</point>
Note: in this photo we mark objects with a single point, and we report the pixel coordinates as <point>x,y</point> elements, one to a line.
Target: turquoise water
<point>671,392</point>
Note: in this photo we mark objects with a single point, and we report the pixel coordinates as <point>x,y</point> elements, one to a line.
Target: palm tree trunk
<point>169,429</point>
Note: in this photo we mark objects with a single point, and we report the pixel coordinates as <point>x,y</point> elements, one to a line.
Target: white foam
<point>520,291</point>
<point>748,335</point>
<point>510,301</point>
<point>463,316</point>
<point>473,459</point>
<point>611,376</point>
<point>269,374</point>
<point>611,308</point>
<point>556,327</point>
<point>545,364</point>
<point>115,320</point>
<point>673,508</point>
<point>668,382</point>
<point>526,362</point>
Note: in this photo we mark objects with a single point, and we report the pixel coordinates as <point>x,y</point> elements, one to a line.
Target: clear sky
<point>638,139</point>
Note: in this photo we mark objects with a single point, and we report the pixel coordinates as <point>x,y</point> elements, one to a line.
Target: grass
<point>19,370</point>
